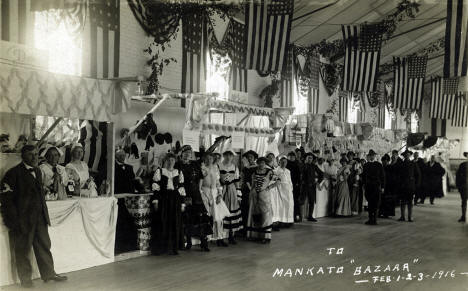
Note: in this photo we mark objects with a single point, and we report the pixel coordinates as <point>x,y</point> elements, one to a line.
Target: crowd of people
<point>215,196</point>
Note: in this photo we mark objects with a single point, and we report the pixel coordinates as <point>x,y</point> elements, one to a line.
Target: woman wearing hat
<point>342,201</point>
<point>79,172</point>
<point>54,176</point>
<point>230,179</point>
<point>260,213</point>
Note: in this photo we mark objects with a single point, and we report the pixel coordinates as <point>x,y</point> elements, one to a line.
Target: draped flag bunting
<point>460,116</point>
<point>234,40</point>
<point>93,138</point>
<point>194,53</point>
<point>442,104</point>
<point>456,38</point>
<point>268,30</point>
<point>16,21</point>
<point>102,38</point>
<point>409,73</point>
<point>343,105</point>
<point>313,100</point>
<point>381,116</point>
<point>287,81</point>
<point>362,57</point>
<point>312,71</point>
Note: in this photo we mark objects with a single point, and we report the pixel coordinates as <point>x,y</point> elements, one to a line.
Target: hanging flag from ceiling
<point>268,31</point>
<point>287,81</point>
<point>362,57</point>
<point>460,116</point>
<point>102,40</point>
<point>343,105</point>
<point>443,99</point>
<point>408,80</point>
<point>312,71</point>
<point>234,40</point>
<point>194,53</point>
<point>16,21</point>
<point>456,38</point>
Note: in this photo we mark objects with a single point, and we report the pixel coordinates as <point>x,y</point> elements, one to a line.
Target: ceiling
<point>326,24</point>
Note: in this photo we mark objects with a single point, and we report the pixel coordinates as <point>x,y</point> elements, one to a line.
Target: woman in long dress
<point>79,172</point>
<point>54,176</point>
<point>230,178</point>
<point>260,213</point>
<point>167,200</point>
<point>285,190</point>
<point>343,202</point>
<point>321,196</point>
<point>275,195</point>
<point>213,198</point>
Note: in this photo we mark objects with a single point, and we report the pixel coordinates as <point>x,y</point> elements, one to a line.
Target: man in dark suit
<point>25,213</point>
<point>462,185</point>
<point>419,187</point>
<point>295,168</point>
<point>373,178</point>
<point>124,176</point>
<point>311,176</point>
<point>409,178</point>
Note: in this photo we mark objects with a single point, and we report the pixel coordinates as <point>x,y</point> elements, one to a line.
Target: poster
<point>238,139</point>
<point>192,138</point>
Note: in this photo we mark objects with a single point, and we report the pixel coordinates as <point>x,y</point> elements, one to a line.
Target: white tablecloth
<point>82,235</point>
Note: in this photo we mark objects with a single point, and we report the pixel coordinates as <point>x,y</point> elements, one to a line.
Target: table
<point>82,236</point>
<point>139,207</point>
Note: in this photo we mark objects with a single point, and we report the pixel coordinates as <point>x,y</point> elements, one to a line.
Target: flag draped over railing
<point>234,40</point>
<point>268,28</point>
<point>408,80</point>
<point>456,39</point>
<point>362,57</point>
<point>194,53</point>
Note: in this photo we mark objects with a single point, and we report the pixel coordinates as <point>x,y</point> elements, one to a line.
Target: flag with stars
<point>362,57</point>
<point>409,74</point>
<point>460,116</point>
<point>234,40</point>
<point>102,40</point>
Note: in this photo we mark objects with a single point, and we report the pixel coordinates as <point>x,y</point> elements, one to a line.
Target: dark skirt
<point>167,223</point>
<point>387,204</point>
<point>197,223</point>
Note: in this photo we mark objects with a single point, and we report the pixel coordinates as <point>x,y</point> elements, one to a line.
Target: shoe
<point>232,241</point>
<point>402,219</point>
<point>27,284</point>
<point>188,246</point>
<point>205,249</point>
<point>410,220</point>
<point>462,219</point>
<point>265,241</point>
<point>312,219</point>
<point>221,243</point>
<point>56,278</point>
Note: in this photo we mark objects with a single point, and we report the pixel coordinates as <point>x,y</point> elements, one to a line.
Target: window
<point>388,119</point>
<point>218,74</point>
<point>414,122</point>
<point>64,49</point>
<point>352,112</point>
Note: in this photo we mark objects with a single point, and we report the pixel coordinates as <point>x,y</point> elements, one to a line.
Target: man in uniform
<point>295,168</point>
<point>373,178</point>
<point>462,185</point>
<point>409,178</point>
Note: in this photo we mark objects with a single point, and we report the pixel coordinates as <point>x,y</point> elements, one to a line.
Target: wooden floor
<point>435,239</point>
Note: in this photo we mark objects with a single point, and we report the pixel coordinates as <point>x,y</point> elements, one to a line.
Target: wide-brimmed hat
<point>251,152</point>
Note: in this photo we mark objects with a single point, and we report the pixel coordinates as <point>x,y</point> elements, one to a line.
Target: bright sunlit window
<point>301,102</point>
<point>352,112</point>
<point>218,75</point>
<point>51,35</point>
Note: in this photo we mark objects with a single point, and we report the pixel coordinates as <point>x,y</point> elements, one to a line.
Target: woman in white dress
<point>284,186</point>
<point>54,176</point>
<point>275,195</point>
<point>79,172</point>
<point>213,198</point>
<point>321,204</point>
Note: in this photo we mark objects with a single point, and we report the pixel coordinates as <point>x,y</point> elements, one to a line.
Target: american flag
<point>343,105</point>
<point>312,71</point>
<point>362,57</point>
<point>381,116</point>
<point>17,21</point>
<point>268,30</point>
<point>287,81</point>
<point>456,38</point>
<point>94,141</point>
<point>234,40</point>
<point>194,53</point>
<point>460,116</point>
<point>102,40</point>
<point>442,104</point>
<point>408,74</point>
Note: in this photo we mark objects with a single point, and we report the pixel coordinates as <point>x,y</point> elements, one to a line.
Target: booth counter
<point>82,233</point>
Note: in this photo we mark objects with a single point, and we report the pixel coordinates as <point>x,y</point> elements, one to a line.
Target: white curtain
<point>255,143</point>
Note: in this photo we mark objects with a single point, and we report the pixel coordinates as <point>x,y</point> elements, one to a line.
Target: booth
<point>82,230</point>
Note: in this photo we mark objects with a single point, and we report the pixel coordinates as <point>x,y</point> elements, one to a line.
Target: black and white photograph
<point>233,145</point>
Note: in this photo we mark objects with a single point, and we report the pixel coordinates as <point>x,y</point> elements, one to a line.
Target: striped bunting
<point>460,116</point>
<point>234,40</point>
<point>456,37</point>
<point>381,116</point>
<point>93,138</point>
<point>268,30</point>
<point>102,40</point>
<point>313,100</point>
<point>287,81</point>
<point>194,54</point>
<point>16,21</point>
<point>238,78</point>
<point>442,104</point>
<point>343,105</point>
<point>408,81</point>
<point>362,57</point>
